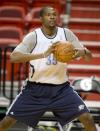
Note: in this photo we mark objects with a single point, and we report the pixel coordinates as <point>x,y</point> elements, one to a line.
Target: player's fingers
<point>77,52</point>
<point>75,55</point>
<point>51,48</point>
<point>55,44</point>
<point>76,49</point>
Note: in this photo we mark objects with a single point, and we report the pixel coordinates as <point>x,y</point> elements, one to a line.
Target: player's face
<point>49,18</point>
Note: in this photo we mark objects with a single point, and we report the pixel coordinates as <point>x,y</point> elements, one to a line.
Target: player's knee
<point>2,127</point>
<point>6,123</point>
<point>86,118</point>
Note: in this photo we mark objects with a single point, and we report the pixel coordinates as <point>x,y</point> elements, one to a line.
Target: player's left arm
<point>88,55</point>
<point>80,49</point>
<point>84,53</point>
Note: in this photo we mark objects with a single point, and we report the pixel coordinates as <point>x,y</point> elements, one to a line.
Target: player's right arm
<point>22,53</point>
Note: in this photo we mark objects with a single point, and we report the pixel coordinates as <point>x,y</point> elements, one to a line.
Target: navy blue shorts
<point>36,98</point>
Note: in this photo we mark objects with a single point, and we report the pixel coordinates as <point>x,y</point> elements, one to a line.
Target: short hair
<point>44,9</point>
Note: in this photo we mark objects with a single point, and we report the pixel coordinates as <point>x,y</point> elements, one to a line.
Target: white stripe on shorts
<point>13,102</point>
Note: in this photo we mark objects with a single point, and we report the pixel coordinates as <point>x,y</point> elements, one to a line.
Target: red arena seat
<point>12,15</point>
<point>10,35</point>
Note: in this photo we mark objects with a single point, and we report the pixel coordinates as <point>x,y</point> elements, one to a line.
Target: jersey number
<point>51,60</point>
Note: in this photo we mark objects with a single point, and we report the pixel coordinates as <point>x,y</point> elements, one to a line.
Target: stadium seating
<point>87,35</point>
<point>20,3</point>
<point>11,32</point>
<point>58,4</point>
<point>83,71</point>
<point>85,3</point>
<point>7,68</point>
<point>12,15</point>
<point>85,23</point>
<point>85,12</point>
<point>10,35</point>
<point>85,15</point>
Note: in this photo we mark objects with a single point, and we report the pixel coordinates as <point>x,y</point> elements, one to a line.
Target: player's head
<point>48,16</point>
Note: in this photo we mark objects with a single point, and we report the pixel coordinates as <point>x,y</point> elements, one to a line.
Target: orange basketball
<point>64,51</point>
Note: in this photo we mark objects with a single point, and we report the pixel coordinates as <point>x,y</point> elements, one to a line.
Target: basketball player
<point>47,88</point>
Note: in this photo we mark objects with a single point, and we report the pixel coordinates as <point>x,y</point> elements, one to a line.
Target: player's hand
<point>55,45</point>
<point>50,50</point>
<point>79,52</point>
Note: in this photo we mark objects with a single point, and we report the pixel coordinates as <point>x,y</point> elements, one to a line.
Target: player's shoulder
<point>34,29</point>
<point>32,33</point>
<point>68,32</point>
<point>65,29</point>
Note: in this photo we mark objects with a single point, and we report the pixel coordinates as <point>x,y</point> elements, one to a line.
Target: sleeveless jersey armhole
<point>35,41</point>
<point>65,33</point>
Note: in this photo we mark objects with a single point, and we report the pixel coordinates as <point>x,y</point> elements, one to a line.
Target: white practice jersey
<point>47,70</point>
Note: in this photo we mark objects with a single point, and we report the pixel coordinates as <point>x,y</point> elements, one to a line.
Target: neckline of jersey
<point>50,37</point>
